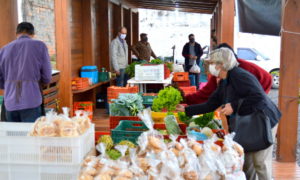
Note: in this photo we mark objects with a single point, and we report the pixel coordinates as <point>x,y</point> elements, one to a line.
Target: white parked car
<point>270,65</point>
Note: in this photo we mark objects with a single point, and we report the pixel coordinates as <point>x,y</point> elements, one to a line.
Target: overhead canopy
<point>260,16</point>
<point>195,6</point>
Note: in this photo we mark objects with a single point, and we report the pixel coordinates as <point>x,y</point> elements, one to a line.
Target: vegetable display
<point>126,105</point>
<point>205,120</point>
<point>167,99</point>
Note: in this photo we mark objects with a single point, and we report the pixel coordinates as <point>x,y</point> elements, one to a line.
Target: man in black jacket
<point>192,52</point>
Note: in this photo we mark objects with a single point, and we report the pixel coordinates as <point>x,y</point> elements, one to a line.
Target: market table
<point>143,84</point>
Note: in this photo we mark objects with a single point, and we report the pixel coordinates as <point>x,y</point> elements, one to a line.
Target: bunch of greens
<point>167,99</point>
<point>130,69</point>
<point>205,120</point>
<point>127,105</point>
<point>158,61</point>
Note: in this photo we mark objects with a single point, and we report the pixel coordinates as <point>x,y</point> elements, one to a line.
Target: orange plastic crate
<point>114,91</point>
<point>189,90</point>
<point>85,106</point>
<point>167,72</point>
<point>183,83</point>
<point>181,76</point>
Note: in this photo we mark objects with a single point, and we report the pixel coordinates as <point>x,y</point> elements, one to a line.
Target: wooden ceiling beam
<point>207,11</point>
<point>178,7</point>
<point>184,5</point>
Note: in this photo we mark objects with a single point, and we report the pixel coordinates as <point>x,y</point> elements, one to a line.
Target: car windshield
<point>262,55</point>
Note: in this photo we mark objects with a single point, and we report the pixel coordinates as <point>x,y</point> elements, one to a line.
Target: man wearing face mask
<point>192,52</point>
<point>119,56</point>
<point>142,49</point>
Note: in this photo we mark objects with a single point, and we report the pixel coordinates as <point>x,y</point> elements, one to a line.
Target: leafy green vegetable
<point>127,105</point>
<point>156,61</point>
<point>167,99</point>
<point>172,125</point>
<point>184,118</point>
<point>130,69</point>
<point>113,154</point>
<point>202,121</point>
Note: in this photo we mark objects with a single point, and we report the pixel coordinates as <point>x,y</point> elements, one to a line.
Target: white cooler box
<point>149,72</point>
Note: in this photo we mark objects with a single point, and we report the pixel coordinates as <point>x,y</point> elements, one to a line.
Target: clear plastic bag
<point>172,125</point>
<point>195,68</point>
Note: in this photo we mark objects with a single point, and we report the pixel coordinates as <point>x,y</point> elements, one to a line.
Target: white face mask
<point>213,71</point>
<point>122,36</point>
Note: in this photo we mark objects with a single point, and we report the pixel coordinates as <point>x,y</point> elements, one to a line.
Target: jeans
<point>122,78</point>
<point>197,76</point>
<point>25,115</point>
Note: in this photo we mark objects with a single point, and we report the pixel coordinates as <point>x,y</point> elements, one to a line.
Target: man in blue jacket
<point>192,52</point>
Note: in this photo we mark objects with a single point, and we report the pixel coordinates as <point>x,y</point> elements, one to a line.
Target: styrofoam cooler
<point>17,147</point>
<point>149,72</point>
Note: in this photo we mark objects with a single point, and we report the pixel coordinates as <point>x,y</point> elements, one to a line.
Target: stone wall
<point>41,14</point>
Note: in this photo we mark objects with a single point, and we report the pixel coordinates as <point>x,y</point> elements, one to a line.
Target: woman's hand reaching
<point>180,108</point>
<point>227,109</point>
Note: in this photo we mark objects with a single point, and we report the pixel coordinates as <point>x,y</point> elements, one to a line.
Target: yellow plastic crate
<point>158,117</point>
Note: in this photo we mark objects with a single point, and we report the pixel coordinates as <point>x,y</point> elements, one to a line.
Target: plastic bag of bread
<point>236,176</point>
<point>134,168</point>
<point>175,146</point>
<point>212,167</point>
<point>83,121</point>
<point>154,171</point>
<point>169,167</point>
<point>150,140</point>
<point>45,126</point>
<point>67,127</point>
<point>232,155</point>
<point>189,163</point>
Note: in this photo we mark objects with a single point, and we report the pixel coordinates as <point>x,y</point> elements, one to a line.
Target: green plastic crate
<point>128,130</point>
<point>103,76</point>
<point>1,100</point>
<point>148,99</point>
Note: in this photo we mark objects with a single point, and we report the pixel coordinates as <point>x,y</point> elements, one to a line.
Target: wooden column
<point>63,50</point>
<point>135,27</point>
<point>227,22</point>
<point>103,12</point>
<point>127,22</point>
<point>289,82</point>
<point>88,35</point>
<point>8,21</point>
<point>116,18</point>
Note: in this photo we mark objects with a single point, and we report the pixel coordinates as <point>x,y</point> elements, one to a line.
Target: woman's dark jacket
<point>239,84</point>
<point>186,54</point>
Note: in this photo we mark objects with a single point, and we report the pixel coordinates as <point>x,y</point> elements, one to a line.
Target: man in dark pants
<point>192,51</point>
<point>24,64</point>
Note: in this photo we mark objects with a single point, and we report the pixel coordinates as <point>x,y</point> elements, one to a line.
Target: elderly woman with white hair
<point>240,91</point>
